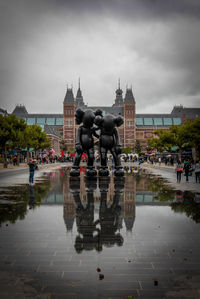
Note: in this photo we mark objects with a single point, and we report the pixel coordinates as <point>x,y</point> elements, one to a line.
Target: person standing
<point>197,172</point>
<point>186,168</point>
<point>32,167</point>
<point>179,171</point>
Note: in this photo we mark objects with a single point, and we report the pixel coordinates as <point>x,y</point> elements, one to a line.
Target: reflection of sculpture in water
<point>90,236</point>
<point>86,226</point>
<point>109,215</point>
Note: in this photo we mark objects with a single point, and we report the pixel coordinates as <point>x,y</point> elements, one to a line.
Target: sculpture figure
<point>84,142</point>
<point>109,140</point>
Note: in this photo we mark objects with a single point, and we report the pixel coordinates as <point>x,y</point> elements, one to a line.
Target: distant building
<point>135,127</point>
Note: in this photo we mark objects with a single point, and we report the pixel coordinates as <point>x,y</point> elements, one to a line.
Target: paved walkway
<point>169,173</point>
<point>20,174</point>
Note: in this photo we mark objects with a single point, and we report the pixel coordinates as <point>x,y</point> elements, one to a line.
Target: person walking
<point>32,166</point>
<point>186,168</point>
<point>197,172</point>
<point>179,170</point>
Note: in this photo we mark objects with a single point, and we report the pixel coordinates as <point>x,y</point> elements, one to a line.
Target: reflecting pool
<point>101,237</point>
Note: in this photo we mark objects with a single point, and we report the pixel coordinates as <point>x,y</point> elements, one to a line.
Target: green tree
<point>126,150</point>
<point>11,132</point>
<point>138,147</point>
<point>35,138</point>
<point>166,139</point>
<point>189,134</point>
<point>63,145</point>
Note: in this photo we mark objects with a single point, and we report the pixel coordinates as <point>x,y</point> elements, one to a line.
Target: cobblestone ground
<point>62,249</point>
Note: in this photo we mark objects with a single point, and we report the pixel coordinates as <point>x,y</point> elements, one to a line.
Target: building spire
<point>119,83</point>
<point>79,83</point>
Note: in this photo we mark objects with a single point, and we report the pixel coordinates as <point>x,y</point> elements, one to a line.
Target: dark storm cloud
<point>152,44</point>
<point>134,8</point>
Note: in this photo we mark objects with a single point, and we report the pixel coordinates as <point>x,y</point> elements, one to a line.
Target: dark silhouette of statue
<point>86,226</point>
<point>109,140</point>
<point>89,235</point>
<point>84,142</point>
<point>109,214</point>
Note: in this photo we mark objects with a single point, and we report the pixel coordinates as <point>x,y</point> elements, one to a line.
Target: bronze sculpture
<point>108,141</point>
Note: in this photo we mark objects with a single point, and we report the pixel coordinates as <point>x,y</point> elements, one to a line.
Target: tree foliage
<point>16,134</point>
<point>11,133</point>
<point>63,145</point>
<point>127,150</point>
<point>188,134</point>
<point>138,147</point>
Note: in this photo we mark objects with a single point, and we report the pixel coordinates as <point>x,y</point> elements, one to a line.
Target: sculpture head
<point>86,117</point>
<point>109,121</point>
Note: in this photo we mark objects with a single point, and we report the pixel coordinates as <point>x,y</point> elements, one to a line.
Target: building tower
<point>119,98</point>
<point>69,108</point>
<point>79,97</point>
<point>129,119</point>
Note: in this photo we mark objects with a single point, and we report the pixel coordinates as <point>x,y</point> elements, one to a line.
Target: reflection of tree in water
<point>90,236</point>
<point>182,202</point>
<point>186,203</point>
<point>163,192</point>
<point>19,198</point>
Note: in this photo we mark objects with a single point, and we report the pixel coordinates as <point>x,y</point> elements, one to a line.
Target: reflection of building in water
<point>69,208</point>
<point>142,182</point>
<point>129,202</point>
<point>115,189</point>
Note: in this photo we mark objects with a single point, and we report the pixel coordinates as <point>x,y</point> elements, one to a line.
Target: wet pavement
<point>169,173</point>
<point>99,238</point>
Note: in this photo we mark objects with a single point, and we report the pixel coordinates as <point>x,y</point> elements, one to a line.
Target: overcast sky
<point>153,45</point>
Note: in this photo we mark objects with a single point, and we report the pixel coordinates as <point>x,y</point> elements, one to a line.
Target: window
<point>129,124</point>
<point>167,121</point>
<point>177,121</point>
<point>139,121</point>
<point>59,121</point>
<point>139,135</point>
<point>40,120</point>
<point>139,197</point>
<point>148,198</point>
<point>68,123</point>
<point>158,121</point>
<point>148,121</point>
<point>50,121</point>
<point>129,196</point>
<point>30,121</point>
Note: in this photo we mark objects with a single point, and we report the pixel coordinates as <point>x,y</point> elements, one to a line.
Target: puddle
<point>102,236</point>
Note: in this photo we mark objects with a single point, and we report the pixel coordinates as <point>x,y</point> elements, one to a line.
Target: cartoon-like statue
<point>109,140</point>
<point>84,142</point>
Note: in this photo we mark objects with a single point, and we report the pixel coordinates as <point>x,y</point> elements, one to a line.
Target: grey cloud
<point>152,44</point>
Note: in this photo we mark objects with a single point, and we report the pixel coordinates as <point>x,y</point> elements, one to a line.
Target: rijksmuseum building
<point>136,126</point>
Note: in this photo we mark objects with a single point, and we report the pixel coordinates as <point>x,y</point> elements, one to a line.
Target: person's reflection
<point>109,215</point>
<point>31,202</point>
<point>86,226</point>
